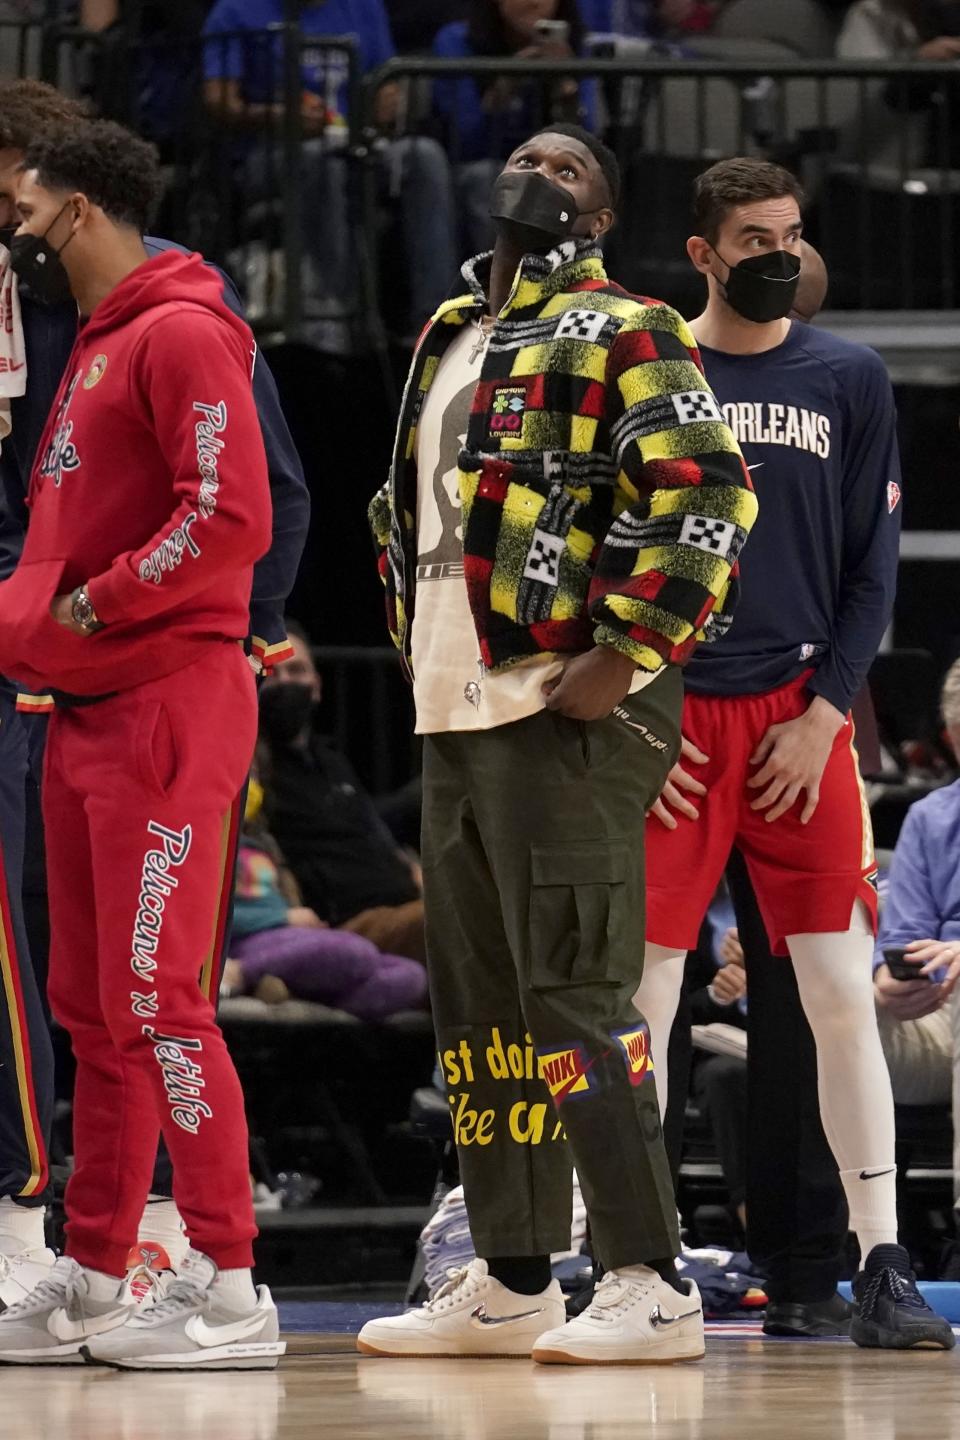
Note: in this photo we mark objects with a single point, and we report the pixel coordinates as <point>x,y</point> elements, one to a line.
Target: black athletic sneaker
<point>889,1313</point>
<point>813,1319</point>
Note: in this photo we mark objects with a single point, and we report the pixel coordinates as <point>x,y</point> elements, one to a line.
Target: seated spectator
<point>716,981</point>
<point>282,949</point>
<point>244,89</point>
<point>922,917</point>
<point>485,120</point>
<point>895,29</point>
<point>147,65</point>
<point>345,861</point>
<point>912,30</point>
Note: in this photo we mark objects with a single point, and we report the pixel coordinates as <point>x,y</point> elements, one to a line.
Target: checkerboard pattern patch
<point>543,560</point>
<point>695,407</point>
<point>604,498</point>
<point>705,533</point>
<point>581,325</point>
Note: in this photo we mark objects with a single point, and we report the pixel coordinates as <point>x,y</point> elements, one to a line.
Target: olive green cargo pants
<point>533,837</point>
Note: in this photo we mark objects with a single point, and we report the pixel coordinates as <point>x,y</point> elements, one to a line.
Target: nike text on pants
<point>533,836</point>
<point>137,799</point>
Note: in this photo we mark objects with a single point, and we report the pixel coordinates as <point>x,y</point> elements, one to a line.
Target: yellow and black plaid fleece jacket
<point>604,499</point>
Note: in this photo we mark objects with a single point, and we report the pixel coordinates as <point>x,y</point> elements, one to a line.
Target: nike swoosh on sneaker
<point>875,1174</point>
<point>207,1336</point>
<point>482,1318</point>
<point>64,1329</point>
<point>659,1321</point>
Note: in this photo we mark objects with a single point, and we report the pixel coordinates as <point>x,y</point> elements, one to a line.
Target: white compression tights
<point>835,981</point>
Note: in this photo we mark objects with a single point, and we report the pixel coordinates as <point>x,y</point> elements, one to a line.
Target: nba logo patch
<point>96,372</point>
<point>636,1052</point>
<point>507,410</point>
<point>893,496</point>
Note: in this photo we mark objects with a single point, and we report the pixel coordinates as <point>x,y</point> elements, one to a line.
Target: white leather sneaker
<point>20,1271</point>
<point>636,1319</point>
<point>473,1315</point>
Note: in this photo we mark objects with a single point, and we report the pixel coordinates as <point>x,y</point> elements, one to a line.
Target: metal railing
<point>877,145</point>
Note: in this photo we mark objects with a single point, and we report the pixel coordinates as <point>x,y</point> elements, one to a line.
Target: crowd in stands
<point>328,904</point>
<point>435,146</point>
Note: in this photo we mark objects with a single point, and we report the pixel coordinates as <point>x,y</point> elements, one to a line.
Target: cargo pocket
<point>580,905</point>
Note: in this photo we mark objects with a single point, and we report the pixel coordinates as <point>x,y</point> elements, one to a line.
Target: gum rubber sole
<point>366,1348</point>
<point>561,1357</point>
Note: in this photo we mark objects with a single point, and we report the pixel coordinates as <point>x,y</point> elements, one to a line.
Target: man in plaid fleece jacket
<point>561,526</point>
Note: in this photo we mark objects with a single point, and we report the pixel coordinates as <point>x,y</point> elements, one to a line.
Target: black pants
<point>796,1210</point>
<point>720,1085</point>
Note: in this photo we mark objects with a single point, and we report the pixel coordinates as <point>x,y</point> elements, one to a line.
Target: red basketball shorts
<point>807,878</point>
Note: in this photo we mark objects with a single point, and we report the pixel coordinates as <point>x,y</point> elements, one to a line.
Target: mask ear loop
<point>53,222</point>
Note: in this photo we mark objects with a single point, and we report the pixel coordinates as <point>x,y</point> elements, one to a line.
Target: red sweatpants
<point>137,799</point>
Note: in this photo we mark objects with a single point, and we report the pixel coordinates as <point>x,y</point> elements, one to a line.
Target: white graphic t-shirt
<point>452,689</point>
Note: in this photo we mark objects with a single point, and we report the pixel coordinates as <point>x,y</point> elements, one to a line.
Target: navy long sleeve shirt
<point>49,333</point>
<point>816,421</point>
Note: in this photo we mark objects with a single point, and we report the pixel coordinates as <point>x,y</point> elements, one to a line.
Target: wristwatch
<point>83,613</point>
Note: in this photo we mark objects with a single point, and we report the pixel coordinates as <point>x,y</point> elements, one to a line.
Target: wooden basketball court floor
<point>746,1389</point>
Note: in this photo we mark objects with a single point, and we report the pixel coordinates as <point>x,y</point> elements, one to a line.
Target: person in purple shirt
<point>919,1026</point>
<point>243,67</point>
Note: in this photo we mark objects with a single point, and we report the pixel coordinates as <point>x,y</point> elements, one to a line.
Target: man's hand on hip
<point>792,757</point>
<point>591,684</point>
<point>678,782</point>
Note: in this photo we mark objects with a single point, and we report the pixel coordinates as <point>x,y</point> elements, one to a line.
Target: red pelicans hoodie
<point>150,487</point>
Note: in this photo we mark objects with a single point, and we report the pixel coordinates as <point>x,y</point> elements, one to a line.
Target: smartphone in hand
<point>901,968</point>
<point>552,32</point>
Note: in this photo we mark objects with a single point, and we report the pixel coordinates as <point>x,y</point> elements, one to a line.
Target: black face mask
<point>762,288</point>
<point>531,211</point>
<point>34,260</point>
<point>286,711</point>
<point>7,233</point>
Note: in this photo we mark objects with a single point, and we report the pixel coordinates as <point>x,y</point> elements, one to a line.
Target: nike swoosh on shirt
<point>482,1318</point>
<point>875,1174</point>
<point>759,465</point>
<point>207,1336</point>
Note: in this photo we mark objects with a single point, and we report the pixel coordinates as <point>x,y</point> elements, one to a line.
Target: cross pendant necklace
<point>480,344</point>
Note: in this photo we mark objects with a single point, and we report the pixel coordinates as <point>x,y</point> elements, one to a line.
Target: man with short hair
<point>27,109</point>
<point>149,505</point>
<point>561,526</point>
<point>769,762</point>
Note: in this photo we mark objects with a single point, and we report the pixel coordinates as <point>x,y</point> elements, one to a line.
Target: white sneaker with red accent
<point>472,1315</point>
<point>636,1319</point>
<point>149,1274</point>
